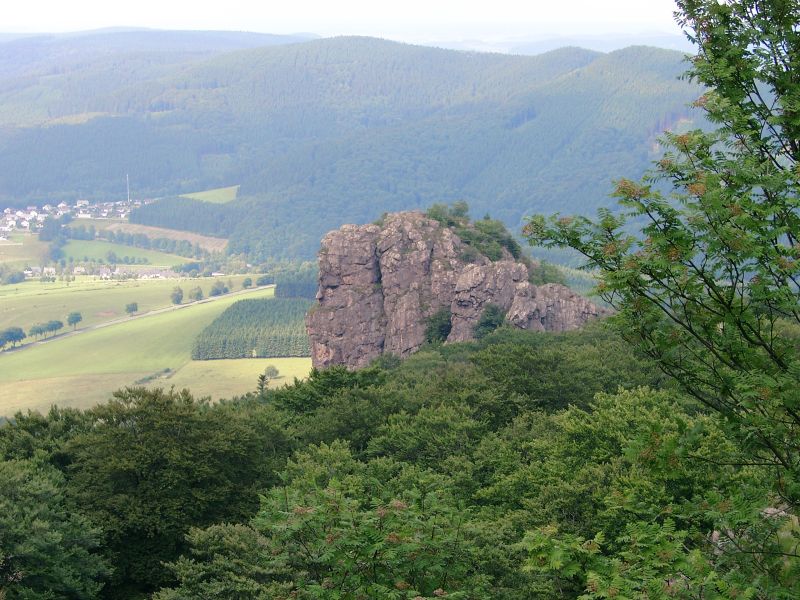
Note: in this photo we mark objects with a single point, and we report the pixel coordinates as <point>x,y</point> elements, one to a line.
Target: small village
<point>103,272</point>
<point>31,217</point>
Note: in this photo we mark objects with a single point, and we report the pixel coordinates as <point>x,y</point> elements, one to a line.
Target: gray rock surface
<point>380,284</point>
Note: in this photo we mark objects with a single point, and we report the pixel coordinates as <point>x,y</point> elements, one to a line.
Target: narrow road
<point>158,311</point>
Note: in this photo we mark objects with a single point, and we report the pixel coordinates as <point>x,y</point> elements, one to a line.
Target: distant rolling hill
<point>44,77</point>
<point>335,130</point>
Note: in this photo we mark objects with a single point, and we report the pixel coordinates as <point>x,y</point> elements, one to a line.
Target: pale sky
<point>402,19</point>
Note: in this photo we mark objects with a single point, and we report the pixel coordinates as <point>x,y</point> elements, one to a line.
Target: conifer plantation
<point>260,328</point>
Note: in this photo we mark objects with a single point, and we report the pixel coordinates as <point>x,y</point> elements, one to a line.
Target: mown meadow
<point>21,249</point>
<point>100,251</point>
<point>83,370</point>
<point>215,196</point>
<point>97,300</point>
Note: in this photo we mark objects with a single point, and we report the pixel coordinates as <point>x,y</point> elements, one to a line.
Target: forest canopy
<point>254,496</point>
<point>709,289</point>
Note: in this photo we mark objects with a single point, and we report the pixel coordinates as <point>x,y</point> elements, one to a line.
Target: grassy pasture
<point>84,369</point>
<point>216,196</point>
<point>78,391</point>
<point>98,301</point>
<point>226,378</point>
<point>216,379</point>
<point>211,244</point>
<point>80,250</point>
<point>98,224</point>
<point>22,249</point>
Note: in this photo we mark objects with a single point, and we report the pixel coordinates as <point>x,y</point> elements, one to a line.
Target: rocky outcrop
<point>479,285</point>
<point>379,285</point>
<point>550,307</point>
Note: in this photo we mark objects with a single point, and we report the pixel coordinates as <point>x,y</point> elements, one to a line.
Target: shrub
<point>438,325</point>
<point>491,318</point>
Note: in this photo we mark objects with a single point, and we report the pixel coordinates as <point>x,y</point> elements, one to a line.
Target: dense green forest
<point>260,328</point>
<point>340,130</point>
<point>504,468</point>
<point>47,77</point>
<point>444,441</point>
<point>301,281</point>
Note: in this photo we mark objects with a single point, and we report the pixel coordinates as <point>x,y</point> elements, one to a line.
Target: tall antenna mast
<point>128,185</point>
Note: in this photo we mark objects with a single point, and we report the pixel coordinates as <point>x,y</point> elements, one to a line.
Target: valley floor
<point>83,370</point>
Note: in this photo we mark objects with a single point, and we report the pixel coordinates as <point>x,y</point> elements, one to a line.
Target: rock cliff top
<point>379,285</point>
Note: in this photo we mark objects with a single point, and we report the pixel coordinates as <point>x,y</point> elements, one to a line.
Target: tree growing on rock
<point>491,318</point>
<point>438,325</point>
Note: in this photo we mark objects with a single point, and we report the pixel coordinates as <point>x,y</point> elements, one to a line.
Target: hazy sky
<point>405,19</point>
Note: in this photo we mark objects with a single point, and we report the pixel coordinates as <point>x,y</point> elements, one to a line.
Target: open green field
<point>98,301</point>
<point>84,369</point>
<point>217,196</point>
<point>83,250</point>
<point>22,249</point>
<point>226,378</point>
<point>211,244</point>
<point>99,224</point>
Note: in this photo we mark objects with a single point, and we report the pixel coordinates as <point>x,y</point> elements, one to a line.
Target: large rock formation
<point>379,285</point>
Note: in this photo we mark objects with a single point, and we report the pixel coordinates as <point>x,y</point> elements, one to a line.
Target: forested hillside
<point>47,77</point>
<point>341,130</point>
<point>512,468</point>
<point>447,441</point>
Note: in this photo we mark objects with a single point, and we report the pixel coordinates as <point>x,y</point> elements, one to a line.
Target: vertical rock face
<point>418,264</point>
<point>380,284</point>
<point>350,318</point>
